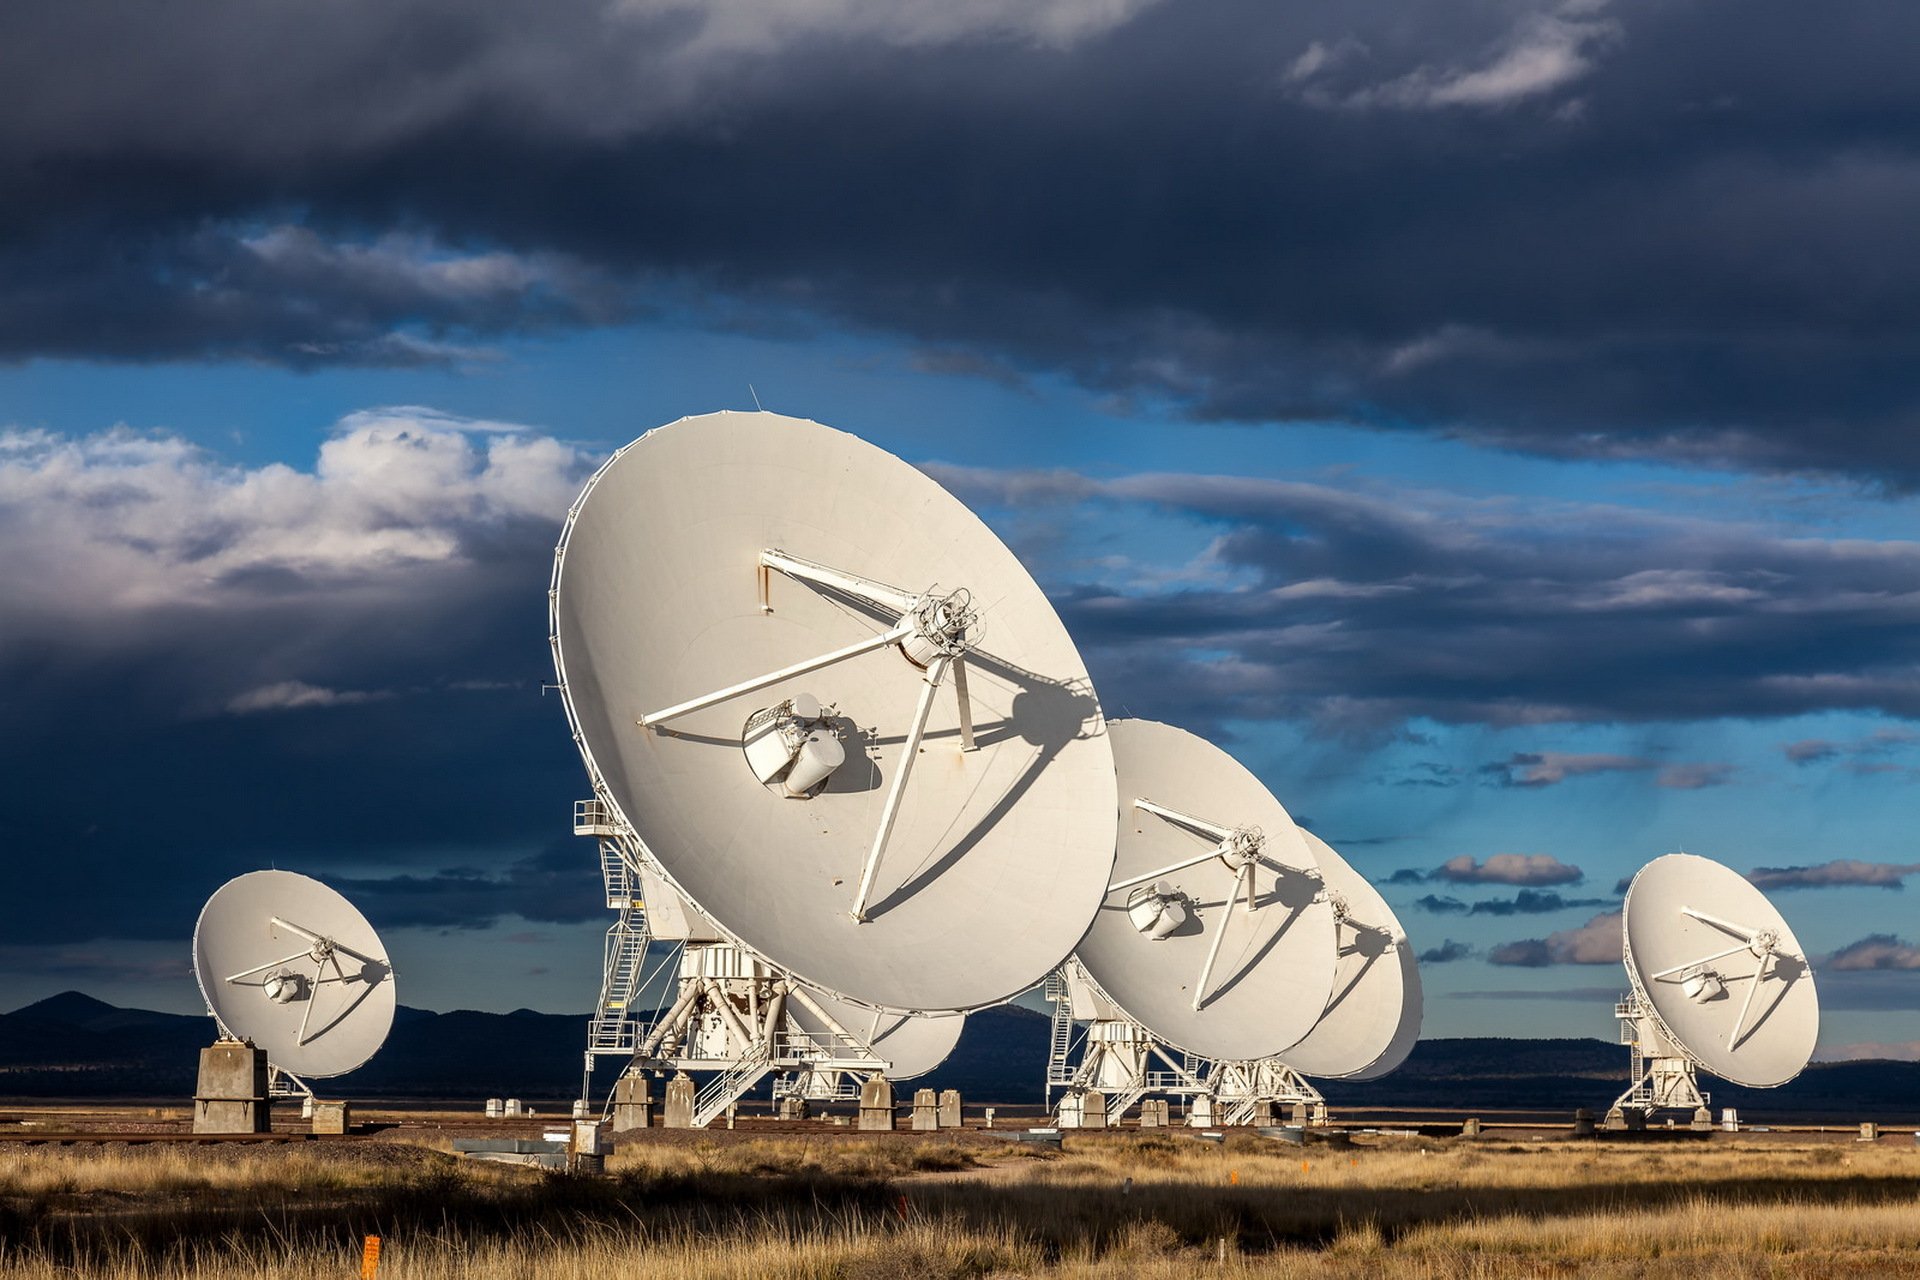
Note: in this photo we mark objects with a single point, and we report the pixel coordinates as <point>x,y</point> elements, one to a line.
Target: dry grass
<point>1112,1204</point>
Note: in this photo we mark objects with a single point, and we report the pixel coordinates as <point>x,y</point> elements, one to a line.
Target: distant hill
<point>72,1045</point>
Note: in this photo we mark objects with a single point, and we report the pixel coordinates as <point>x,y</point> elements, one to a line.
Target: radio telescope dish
<point>838,714</point>
<point>1216,934</point>
<point>1372,1019</point>
<point>912,1044</point>
<point>1720,970</point>
<point>286,962</point>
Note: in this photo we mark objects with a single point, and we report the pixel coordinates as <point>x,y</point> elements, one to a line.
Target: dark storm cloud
<point>205,670</point>
<point>1583,229</point>
<point>1446,953</point>
<point>550,886</point>
<point>1362,608</point>
<point>1595,942</point>
<point>1508,868</point>
<point>1878,951</point>
<point>1863,756</point>
<point>1525,902</point>
<point>1526,953</point>
<point>1550,768</point>
<point>1841,872</point>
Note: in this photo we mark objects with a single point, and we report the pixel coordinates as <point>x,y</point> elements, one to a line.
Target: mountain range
<point>74,1046</point>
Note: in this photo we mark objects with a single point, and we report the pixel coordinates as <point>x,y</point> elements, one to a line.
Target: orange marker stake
<point>1233,1176</point>
<point>370,1258</point>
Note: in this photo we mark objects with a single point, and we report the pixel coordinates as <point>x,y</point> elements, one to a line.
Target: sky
<point>1494,422</point>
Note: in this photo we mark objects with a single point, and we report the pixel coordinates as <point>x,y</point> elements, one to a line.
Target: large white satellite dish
<point>1719,971</point>
<point>1216,934</point>
<point>835,710</point>
<point>1372,1018</point>
<point>911,1044</point>
<point>286,962</point>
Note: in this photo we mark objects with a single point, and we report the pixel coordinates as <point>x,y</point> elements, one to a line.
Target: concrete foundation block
<point>876,1105</point>
<point>680,1101</point>
<point>926,1111</point>
<point>230,1095</point>
<point>225,1115</point>
<point>950,1112</point>
<point>331,1117</point>
<point>632,1103</point>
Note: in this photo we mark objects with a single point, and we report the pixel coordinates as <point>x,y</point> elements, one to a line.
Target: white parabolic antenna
<point>911,1044</point>
<point>1720,970</point>
<point>286,962</point>
<point>1372,1018</point>
<point>838,714</point>
<point>1216,934</point>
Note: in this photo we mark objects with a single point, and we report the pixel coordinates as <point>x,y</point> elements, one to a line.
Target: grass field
<point>1109,1204</point>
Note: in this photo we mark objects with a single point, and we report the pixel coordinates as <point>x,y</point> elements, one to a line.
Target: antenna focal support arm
<point>271,964</point>
<point>877,593</point>
<point>1666,973</point>
<point>1201,825</point>
<point>1311,873</point>
<point>966,703</point>
<point>936,672</point>
<point>1242,884</point>
<point>893,635</point>
<point>1725,926</point>
<point>1198,858</point>
<point>1746,1006</point>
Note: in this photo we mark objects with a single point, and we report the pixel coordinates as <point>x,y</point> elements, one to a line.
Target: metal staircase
<point>617,875</point>
<point>1121,1103</point>
<point>1059,1072</point>
<point>614,1030</point>
<point>727,1088</point>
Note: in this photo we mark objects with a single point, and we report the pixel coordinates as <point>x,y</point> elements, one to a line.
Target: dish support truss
<point>1262,1092</point>
<point>1663,1077</point>
<point>734,1018</point>
<point>1124,1063</point>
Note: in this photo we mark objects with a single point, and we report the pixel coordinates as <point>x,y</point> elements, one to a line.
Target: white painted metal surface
<point>1251,971</point>
<point>1372,1018</point>
<point>923,875</point>
<point>1719,971</point>
<point>286,962</point>
<point>909,1044</point>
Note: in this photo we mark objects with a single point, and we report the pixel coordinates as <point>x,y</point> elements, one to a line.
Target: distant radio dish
<point>286,962</point>
<point>1216,934</point>
<point>1372,1018</point>
<point>1720,971</point>
<point>835,710</point>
